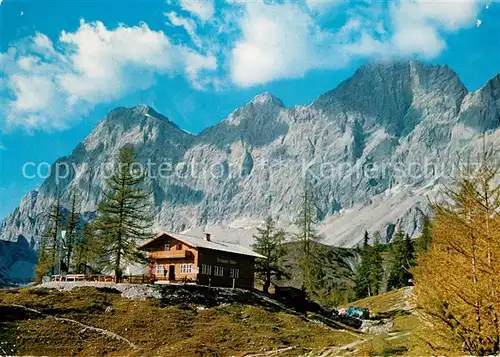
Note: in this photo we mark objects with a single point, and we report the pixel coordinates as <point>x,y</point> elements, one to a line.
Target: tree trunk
<point>267,284</point>
<point>477,305</point>
<point>486,190</point>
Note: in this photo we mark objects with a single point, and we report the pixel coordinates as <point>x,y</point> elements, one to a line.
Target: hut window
<point>179,246</point>
<point>206,269</point>
<point>234,273</point>
<point>159,269</point>
<point>167,246</point>
<point>219,271</point>
<point>186,268</point>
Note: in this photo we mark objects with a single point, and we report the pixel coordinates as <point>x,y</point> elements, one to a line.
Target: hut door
<point>171,272</point>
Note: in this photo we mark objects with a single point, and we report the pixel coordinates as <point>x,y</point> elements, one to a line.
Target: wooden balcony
<point>167,254</point>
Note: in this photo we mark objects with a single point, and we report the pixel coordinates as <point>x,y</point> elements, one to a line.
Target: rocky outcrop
<point>375,148</point>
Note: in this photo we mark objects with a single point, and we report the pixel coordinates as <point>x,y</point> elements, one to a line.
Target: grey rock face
<point>375,148</point>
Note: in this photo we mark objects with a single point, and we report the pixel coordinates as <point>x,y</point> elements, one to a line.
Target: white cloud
<point>284,40</point>
<point>277,42</point>
<point>49,86</point>
<point>34,92</point>
<point>204,9</point>
<point>196,64</point>
<point>449,15</point>
<point>419,26</point>
<point>419,39</point>
<point>188,25</point>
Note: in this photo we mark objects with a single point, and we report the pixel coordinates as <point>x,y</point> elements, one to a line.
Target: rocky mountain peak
<point>135,113</point>
<point>392,94</point>
<point>494,86</point>
<point>138,125</point>
<point>267,98</point>
<point>481,109</point>
<point>140,117</point>
<point>257,123</point>
<point>144,109</point>
<point>405,77</point>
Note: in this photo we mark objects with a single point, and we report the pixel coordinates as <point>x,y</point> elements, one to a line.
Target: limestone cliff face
<point>374,148</point>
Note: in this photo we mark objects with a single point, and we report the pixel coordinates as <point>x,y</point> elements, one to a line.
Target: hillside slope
<point>89,321</point>
<point>120,327</point>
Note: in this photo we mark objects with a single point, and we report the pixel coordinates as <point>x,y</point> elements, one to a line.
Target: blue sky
<point>65,64</point>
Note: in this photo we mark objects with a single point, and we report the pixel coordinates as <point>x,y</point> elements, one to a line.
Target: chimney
<point>207,237</point>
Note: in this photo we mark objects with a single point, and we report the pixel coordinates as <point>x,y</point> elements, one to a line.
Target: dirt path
<point>84,326</point>
<point>272,353</point>
<point>398,336</point>
<point>334,351</point>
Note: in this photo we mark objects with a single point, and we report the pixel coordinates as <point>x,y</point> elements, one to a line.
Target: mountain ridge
<point>268,97</point>
<point>251,164</point>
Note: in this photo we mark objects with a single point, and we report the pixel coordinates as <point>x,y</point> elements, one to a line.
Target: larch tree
<point>87,250</point>
<point>269,243</point>
<point>123,219</point>
<point>457,283</point>
<point>50,246</point>
<point>72,227</point>
<point>307,236</point>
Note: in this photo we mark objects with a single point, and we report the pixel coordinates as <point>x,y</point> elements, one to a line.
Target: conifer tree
<point>44,261</point>
<point>376,271</point>
<point>366,239</point>
<point>308,236</point>
<point>50,245</point>
<point>269,243</point>
<point>369,273</point>
<point>403,259</point>
<point>306,221</point>
<point>457,283</point>
<point>423,242</point>
<point>362,275</point>
<point>123,219</point>
<point>363,269</point>
<point>87,249</point>
<point>71,228</point>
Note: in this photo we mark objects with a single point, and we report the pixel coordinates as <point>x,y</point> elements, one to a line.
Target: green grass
<point>156,329</point>
<point>401,339</point>
<point>392,300</point>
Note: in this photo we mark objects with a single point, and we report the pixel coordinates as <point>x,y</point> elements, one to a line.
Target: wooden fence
<point>131,279</point>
